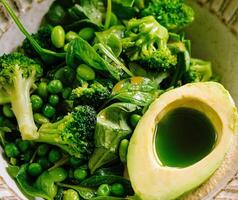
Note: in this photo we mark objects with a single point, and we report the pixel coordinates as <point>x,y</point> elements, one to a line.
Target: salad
<point>72,94</point>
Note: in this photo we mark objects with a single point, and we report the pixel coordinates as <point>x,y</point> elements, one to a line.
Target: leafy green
<point>111,128</point>
<point>137,90</point>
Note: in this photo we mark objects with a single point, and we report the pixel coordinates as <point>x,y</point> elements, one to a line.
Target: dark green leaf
<point>111,128</point>
<point>127,3</point>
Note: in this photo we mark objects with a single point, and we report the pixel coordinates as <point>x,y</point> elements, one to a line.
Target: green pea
<point>54,99</point>
<point>66,93</point>
<point>34,169</point>
<point>87,33</point>
<point>58,174</point>
<point>58,37</point>
<point>65,74</point>
<point>48,111</point>
<point>55,86</point>
<point>71,35</point>
<point>54,155</point>
<point>85,72</point>
<point>11,150</point>
<point>7,111</point>
<point>123,148</point>
<point>56,14</point>
<point>42,90</point>
<point>36,102</point>
<point>74,162</point>
<point>40,119</point>
<point>45,164</point>
<point>80,174</point>
<point>27,156</point>
<point>43,149</point>
<point>135,119</point>
<point>103,190</point>
<point>71,194</point>
<point>66,46</point>
<point>23,145</point>
<point>117,189</point>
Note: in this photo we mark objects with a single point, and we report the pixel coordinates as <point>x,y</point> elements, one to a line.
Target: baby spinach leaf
<point>81,49</point>
<point>84,191</point>
<point>137,90</point>
<point>111,128</point>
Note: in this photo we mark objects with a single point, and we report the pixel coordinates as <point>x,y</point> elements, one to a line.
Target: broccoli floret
<point>146,42</point>
<point>94,95</point>
<point>173,14</point>
<point>74,133</point>
<point>199,71</point>
<point>43,38</point>
<point>17,76</point>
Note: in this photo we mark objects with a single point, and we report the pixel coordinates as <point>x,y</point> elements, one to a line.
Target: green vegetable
<point>43,149</point>
<point>17,76</point>
<point>34,169</point>
<point>80,174</point>
<point>111,128</point>
<point>54,155</point>
<point>66,93</point>
<point>44,162</point>
<point>55,86</point>
<point>58,36</point>
<point>84,192</point>
<point>71,35</point>
<point>46,55</point>
<point>103,190</point>
<point>135,119</point>
<point>85,72</point>
<point>137,90</point>
<point>42,89</point>
<point>40,119</point>
<point>48,111</point>
<point>87,33</point>
<point>36,102</point>
<point>4,97</point>
<point>56,14</point>
<point>11,150</point>
<point>117,189</point>
<point>123,148</point>
<point>74,133</point>
<point>53,99</point>
<point>75,162</point>
<point>65,74</point>
<point>152,53</point>
<point>7,111</point>
<point>173,14</point>
<point>23,145</point>
<point>71,194</point>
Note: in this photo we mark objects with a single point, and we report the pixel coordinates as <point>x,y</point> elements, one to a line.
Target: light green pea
<point>40,119</point>
<point>85,72</point>
<point>58,36</point>
<point>71,194</point>
<point>123,148</point>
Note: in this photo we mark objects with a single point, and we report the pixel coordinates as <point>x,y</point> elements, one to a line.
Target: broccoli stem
<point>21,105</point>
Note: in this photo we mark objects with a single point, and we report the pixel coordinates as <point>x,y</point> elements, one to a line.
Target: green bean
<point>123,148</point>
<point>85,72</point>
<point>87,33</point>
<point>58,37</point>
<point>71,35</point>
<point>40,119</point>
<point>71,194</point>
<point>11,150</point>
<point>7,111</point>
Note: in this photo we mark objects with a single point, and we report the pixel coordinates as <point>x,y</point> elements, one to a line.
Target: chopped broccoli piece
<point>173,14</point>
<point>94,95</point>
<point>146,42</point>
<point>17,76</point>
<point>74,133</point>
<point>199,71</point>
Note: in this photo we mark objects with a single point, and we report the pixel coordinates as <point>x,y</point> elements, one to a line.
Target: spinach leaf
<point>95,181</point>
<point>94,10</point>
<point>111,128</point>
<point>81,49</point>
<point>84,191</point>
<point>128,3</point>
<point>137,90</point>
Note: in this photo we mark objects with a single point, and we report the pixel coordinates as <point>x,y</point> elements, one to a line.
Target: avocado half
<point>151,180</point>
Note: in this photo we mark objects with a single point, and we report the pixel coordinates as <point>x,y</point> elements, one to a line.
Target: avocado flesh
<point>150,179</point>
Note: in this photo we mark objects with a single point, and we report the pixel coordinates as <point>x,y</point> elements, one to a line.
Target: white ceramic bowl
<point>214,38</point>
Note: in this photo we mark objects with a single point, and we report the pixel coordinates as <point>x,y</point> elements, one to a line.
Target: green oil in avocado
<point>184,136</point>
